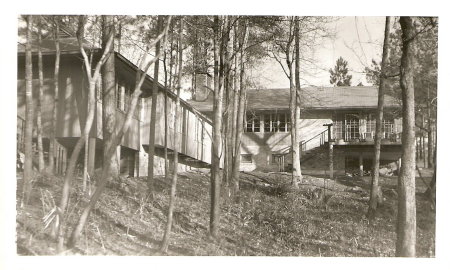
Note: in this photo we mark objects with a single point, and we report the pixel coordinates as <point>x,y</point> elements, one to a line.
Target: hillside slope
<point>268,220</point>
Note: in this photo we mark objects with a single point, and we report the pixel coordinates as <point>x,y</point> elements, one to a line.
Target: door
<point>351,126</point>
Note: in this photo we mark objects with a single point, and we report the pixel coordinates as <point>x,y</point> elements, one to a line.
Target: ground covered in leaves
<point>323,218</point>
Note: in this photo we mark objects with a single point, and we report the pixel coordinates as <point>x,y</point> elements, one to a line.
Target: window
<point>387,128</point>
<point>276,122</point>
<point>246,158</point>
<point>282,122</point>
<point>253,124</point>
<point>371,122</point>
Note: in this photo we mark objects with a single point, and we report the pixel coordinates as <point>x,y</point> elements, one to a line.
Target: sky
<point>358,40</point>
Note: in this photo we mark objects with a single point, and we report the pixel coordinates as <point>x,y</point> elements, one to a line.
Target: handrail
<point>315,136</point>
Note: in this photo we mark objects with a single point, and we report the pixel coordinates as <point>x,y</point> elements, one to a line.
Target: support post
<point>91,156</point>
<point>118,159</point>
<point>361,165</point>
<point>330,160</point>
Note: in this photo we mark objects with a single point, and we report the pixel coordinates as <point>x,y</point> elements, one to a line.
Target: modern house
<point>340,118</point>
<point>194,148</point>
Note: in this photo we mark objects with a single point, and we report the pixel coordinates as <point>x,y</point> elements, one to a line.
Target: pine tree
<point>339,76</point>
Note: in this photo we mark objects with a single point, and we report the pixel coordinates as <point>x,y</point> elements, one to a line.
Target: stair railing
<point>323,139</point>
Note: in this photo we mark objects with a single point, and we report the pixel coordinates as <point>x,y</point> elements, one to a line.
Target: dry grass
<point>269,219</point>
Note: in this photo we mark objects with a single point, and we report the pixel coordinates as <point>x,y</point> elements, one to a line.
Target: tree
<point>59,228</point>
<point>295,110</point>
<point>108,77</point>
<point>217,126</point>
<point>151,143</point>
<point>165,241</point>
<point>339,76</point>
<point>240,97</point>
<point>28,136</point>
<point>40,147</point>
<point>53,141</point>
<point>406,218</point>
<point>375,192</point>
<point>120,131</point>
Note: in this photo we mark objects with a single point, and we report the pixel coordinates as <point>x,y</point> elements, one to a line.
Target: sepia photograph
<point>225,135</point>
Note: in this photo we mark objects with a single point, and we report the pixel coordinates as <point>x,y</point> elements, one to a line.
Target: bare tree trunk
<point>112,149</point>
<point>53,142</point>
<point>166,114</point>
<point>151,142</point>
<point>28,136</point>
<point>228,113</point>
<point>40,147</point>
<point>375,192</point>
<point>59,228</point>
<point>109,94</point>
<point>240,111</point>
<point>165,242</point>
<point>234,101</point>
<point>296,170</point>
<point>406,219</point>
<point>216,134</point>
<point>430,132</point>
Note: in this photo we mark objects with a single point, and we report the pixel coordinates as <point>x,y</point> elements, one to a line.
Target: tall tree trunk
<point>112,148</point>
<point>227,106</point>
<point>53,141</point>
<point>406,219</point>
<point>375,191</point>
<point>165,242</point>
<point>166,107</point>
<point>430,132</point>
<point>59,228</point>
<point>216,134</point>
<point>295,109</point>
<point>109,94</point>
<point>40,147</point>
<point>240,111</point>
<point>28,136</point>
<point>151,142</point>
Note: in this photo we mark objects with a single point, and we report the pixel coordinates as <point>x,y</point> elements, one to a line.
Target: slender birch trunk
<point>53,141</point>
<point>296,144</point>
<point>216,132</point>
<point>376,196</point>
<point>59,228</point>
<point>28,134</point>
<point>165,241</point>
<point>140,77</point>
<point>40,147</point>
<point>151,142</point>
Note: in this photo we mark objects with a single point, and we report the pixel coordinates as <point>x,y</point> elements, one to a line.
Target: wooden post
<point>64,161</point>
<point>57,163</point>
<point>330,160</point>
<point>118,158</point>
<point>91,156</point>
<point>361,165</point>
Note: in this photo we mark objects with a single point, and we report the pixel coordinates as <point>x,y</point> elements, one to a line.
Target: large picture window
<point>271,122</point>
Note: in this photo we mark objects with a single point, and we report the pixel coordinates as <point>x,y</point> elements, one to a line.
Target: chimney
<point>202,87</point>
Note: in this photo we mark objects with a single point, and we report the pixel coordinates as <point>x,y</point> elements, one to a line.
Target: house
<point>194,148</point>
<point>338,118</point>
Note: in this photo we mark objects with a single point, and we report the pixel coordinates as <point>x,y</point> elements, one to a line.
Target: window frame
<point>248,161</point>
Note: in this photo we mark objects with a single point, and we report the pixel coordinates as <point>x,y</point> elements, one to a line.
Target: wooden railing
<point>323,138</point>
